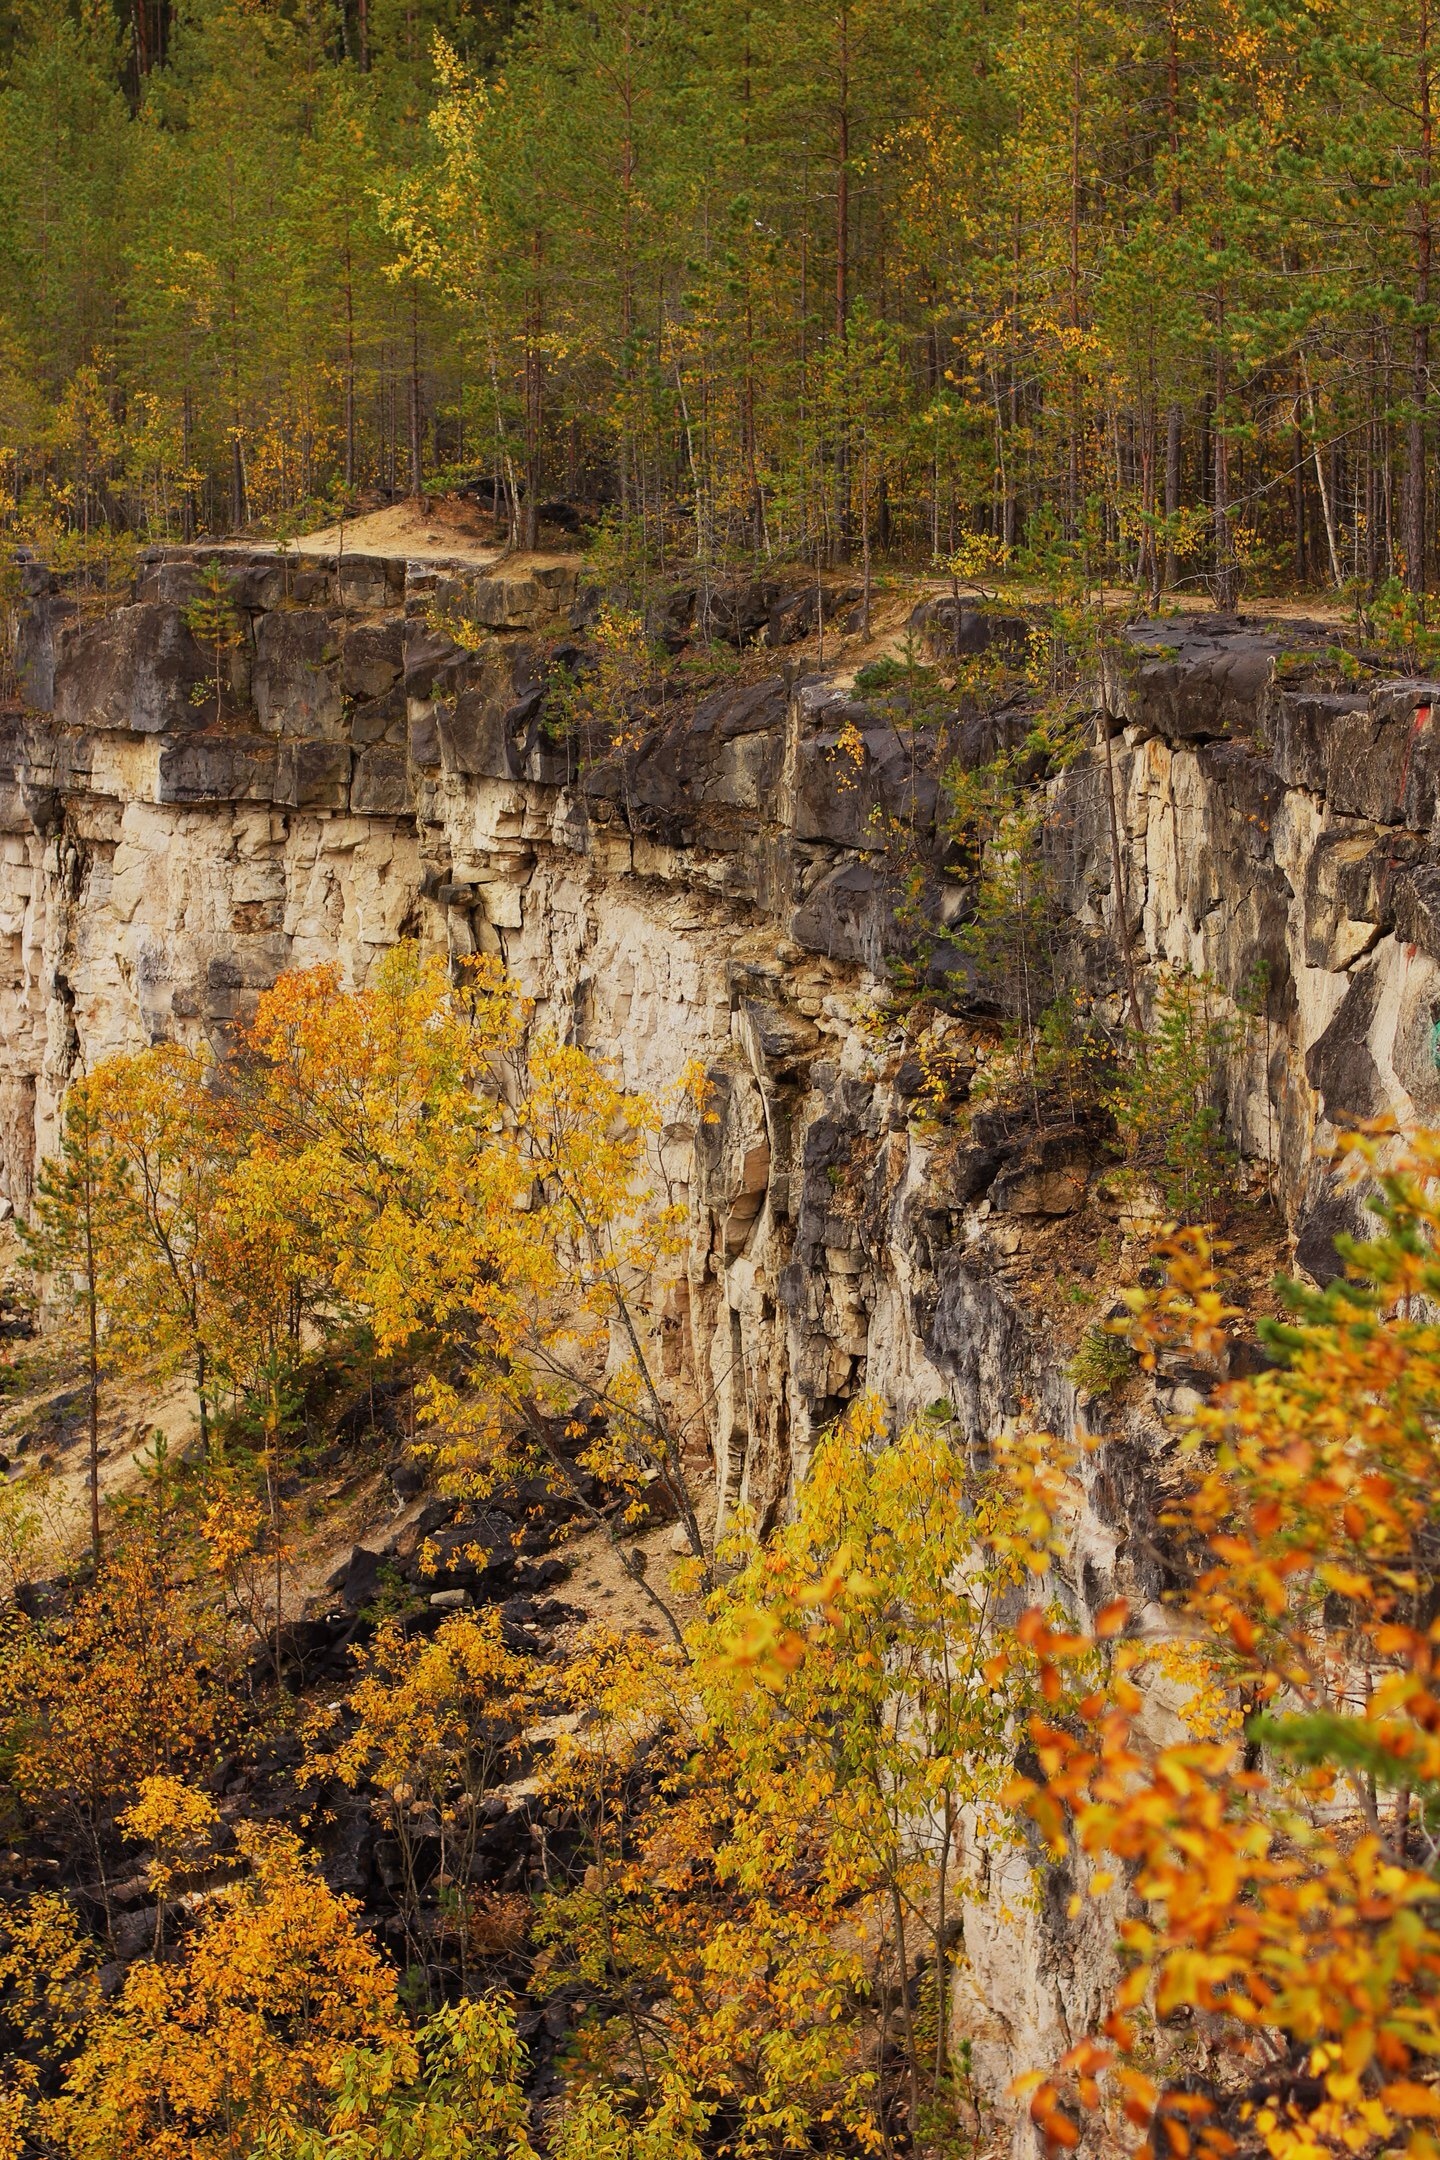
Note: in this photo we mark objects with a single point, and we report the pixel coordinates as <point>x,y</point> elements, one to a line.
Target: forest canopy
<point>740,280</point>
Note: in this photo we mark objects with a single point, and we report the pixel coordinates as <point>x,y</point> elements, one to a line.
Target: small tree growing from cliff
<point>1168,1105</point>
<point>601,708</point>
<point>213,622</point>
<point>1007,939</point>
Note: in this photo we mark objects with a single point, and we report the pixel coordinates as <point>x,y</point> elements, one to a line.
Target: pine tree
<point>73,1239</point>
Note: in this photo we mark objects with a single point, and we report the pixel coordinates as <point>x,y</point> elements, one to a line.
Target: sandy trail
<point>448,531</point>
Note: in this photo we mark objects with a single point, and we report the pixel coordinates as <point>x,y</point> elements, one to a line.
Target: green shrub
<point>881,674</point>
<point>1167,1105</point>
<point>1102,1361</point>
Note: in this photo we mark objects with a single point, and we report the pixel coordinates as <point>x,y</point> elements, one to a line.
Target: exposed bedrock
<point>725,892</point>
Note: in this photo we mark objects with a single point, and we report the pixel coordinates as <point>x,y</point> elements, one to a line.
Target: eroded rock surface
<point>381,761</point>
<point>725,890</point>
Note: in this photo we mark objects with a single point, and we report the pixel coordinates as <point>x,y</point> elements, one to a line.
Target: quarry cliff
<point>731,885</point>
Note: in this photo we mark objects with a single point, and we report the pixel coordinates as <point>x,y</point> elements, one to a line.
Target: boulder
<point>358,1579</point>
<point>798,615</point>
<point>1048,1176</point>
<point>950,629</point>
<point>735,611</point>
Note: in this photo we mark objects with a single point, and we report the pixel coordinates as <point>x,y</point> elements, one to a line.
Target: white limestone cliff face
<point>719,894</point>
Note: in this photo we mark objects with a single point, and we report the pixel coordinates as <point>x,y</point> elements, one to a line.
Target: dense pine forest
<point>748,281</point>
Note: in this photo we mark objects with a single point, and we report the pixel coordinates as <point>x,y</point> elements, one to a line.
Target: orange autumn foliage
<point>1282,1878</point>
<point>239,2039</point>
<point>120,1685</point>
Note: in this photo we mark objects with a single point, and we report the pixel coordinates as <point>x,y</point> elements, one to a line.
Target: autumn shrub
<point>1102,1360</point>
<point>454,2087</point>
<point>1280,1943</point>
<point>218,2050</point>
<point>431,1725</point>
<point>128,1676</point>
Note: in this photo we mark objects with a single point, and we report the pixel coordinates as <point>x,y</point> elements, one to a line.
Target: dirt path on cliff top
<point>450,530</point>
<point>456,530</point>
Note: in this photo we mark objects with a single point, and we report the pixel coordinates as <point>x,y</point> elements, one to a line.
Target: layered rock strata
<point>381,762</point>
<point>372,755</point>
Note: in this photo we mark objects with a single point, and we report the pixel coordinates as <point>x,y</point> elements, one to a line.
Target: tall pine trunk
<point>417,465</point>
<point>1226,583</point>
<point>1413,507</point>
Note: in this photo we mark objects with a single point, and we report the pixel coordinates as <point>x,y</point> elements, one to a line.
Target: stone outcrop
<point>1279,835</point>
<point>381,760</point>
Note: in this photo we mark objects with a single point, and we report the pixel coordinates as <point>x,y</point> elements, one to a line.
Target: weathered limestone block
<point>356,583</point>
<point>44,613</point>
<point>372,657</point>
<point>134,669</point>
<point>216,769</point>
<point>381,784</point>
<point>529,600</point>
<point>296,682</point>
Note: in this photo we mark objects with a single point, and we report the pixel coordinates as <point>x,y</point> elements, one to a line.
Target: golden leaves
<point>246,2027</point>
<point>1315,1516</point>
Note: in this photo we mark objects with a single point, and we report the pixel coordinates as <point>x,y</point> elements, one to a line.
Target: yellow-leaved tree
<point>781,1917</point>
<point>161,1117</point>
<point>73,1239</point>
<point>481,1196</point>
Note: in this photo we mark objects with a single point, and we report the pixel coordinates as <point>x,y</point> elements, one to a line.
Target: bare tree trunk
<point>1331,542</point>
<point>1413,508</point>
<point>237,478</point>
<point>349,370</point>
<point>1302,565</point>
<point>92,1370</point>
<point>187,499</point>
<point>417,472</point>
<point>842,267</point>
<point>534,401</point>
<point>1172,487</point>
<point>1225,579</point>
